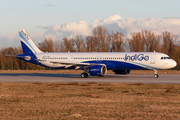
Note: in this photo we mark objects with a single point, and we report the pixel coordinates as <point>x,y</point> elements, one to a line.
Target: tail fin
<point>28,46</point>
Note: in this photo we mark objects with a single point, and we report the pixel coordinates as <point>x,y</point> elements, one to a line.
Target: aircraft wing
<point>77,64</point>
<point>69,64</point>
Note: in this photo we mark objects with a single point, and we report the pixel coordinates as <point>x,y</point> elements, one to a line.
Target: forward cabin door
<point>152,58</point>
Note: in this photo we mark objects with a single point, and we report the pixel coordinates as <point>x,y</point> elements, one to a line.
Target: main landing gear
<point>156,74</point>
<point>84,75</point>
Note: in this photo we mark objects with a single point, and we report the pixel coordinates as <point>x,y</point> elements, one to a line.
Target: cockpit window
<point>163,58</point>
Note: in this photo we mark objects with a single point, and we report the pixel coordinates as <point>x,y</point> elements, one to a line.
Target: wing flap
<point>71,63</point>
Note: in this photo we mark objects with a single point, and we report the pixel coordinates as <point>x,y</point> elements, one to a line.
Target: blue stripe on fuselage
<point>120,65</point>
<point>147,66</point>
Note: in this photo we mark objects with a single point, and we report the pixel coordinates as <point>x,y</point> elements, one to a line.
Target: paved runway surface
<point>112,78</point>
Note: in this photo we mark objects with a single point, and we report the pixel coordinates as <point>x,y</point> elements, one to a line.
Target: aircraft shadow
<point>69,75</point>
<point>41,75</point>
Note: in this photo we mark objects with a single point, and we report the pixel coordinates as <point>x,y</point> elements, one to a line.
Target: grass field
<point>88,101</point>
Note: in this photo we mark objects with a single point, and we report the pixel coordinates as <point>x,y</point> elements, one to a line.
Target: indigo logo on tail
<point>136,57</point>
<point>25,34</point>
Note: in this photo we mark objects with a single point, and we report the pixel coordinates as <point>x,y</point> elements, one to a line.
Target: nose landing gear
<point>156,74</point>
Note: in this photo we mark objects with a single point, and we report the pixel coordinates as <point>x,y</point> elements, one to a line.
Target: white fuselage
<point>113,60</point>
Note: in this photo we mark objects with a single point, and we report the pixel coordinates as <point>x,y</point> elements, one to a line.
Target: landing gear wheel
<point>156,75</point>
<point>84,75</point>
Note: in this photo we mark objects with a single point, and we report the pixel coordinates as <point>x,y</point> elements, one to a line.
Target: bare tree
<point>117,42</point>
<point>68,44</point>
<point>101,38</point>
<point>47,45</point>
<point>136,43</point>
<point>168,42</point>
<point>151,41</point>
<point>90,44</point>
<point>79,43</point>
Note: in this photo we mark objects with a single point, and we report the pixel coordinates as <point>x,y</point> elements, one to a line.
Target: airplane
<point>94,63</point>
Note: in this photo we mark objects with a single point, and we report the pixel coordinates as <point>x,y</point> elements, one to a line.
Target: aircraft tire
<point>84,75</point>
<point>156,75</point>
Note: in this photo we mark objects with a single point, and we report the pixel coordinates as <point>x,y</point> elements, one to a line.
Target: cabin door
<point>152,58</point>
<point>71,58</point>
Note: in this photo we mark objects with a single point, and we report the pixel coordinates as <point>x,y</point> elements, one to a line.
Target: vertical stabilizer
<point>28,46</point>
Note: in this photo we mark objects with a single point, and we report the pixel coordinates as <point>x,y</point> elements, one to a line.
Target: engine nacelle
<point>98,70</point>
<point>122,71</point>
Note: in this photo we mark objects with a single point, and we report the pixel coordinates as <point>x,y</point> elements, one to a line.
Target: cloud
<point>9,40</point>
<point>70,30</point>
<point>112,19</point>
<point>115,23</point>
<point>8,37</point>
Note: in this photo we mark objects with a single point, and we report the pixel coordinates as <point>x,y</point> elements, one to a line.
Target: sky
<point>68,18</point>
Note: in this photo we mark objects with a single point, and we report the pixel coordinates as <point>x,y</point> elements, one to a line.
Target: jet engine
<point>97,70</point>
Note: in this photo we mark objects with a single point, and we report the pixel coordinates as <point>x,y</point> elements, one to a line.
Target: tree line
<point>101,40</point>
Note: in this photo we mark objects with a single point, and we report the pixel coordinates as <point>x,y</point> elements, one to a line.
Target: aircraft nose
<point>173,63</point>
